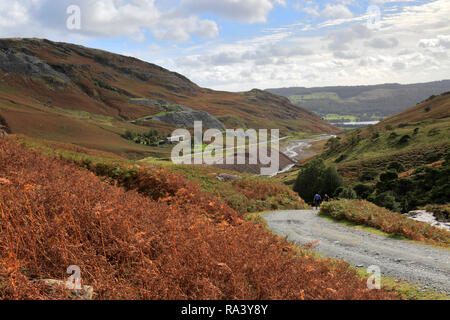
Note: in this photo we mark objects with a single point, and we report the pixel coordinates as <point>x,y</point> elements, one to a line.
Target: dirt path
<point>427,266</point>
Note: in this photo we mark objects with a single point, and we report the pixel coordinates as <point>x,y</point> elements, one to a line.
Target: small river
<point>296,150</point>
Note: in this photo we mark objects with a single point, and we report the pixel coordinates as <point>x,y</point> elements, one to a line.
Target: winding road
<point>426,266</point>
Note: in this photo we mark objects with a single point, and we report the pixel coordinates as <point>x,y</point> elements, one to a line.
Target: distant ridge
<point>363,102</point>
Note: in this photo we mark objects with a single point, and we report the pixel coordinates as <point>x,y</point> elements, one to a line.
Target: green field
<point>331,117</point>
<point>314,96</point>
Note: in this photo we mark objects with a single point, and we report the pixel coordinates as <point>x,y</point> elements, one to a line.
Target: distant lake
<point>356,124</point>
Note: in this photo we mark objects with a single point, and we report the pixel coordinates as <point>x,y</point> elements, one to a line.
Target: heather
<point>365,213</point>
<point>174,243</point>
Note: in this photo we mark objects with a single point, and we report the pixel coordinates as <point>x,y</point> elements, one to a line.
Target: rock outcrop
<point>186,119</point>
<point>227,177</point>
<point>179,115</point>
<point>30,66</point>
<point>430,218</point>
<point>85,293</point>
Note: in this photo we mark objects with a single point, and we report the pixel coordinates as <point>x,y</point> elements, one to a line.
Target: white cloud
<point>382,43</point>
<point>250,11</point>
<point>337,11</point>
<point>441,41</point>
<point>333,47</point>
<point>106,18</point>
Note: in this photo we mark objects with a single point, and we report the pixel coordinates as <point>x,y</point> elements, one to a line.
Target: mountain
<point>89,97</point>
<point>362,102</point>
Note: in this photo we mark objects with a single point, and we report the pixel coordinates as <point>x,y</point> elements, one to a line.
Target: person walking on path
<point>326,198</point>
<point>317,201</point>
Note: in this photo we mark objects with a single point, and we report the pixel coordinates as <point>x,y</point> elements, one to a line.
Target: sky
<point>238,45</point>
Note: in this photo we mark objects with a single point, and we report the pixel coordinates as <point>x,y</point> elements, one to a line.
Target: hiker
<point>326,198</point>
<point>317,201</point>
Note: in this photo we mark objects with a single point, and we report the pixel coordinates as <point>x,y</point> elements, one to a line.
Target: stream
<point>296,150</point>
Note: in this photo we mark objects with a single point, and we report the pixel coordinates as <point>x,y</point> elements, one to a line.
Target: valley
<point>86,137</point>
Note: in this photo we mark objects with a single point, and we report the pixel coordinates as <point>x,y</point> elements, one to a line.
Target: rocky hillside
<point>89,97</point>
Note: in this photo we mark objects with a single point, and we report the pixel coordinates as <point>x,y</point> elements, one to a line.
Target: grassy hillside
<point>248,194</point>
<point>401,164</point>
<point>89,97</point>
<point>163,239</point>
<point>415,137</point>
<point>364,103</point>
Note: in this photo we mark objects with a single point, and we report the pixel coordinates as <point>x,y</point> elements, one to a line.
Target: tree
<point>314,178</point>
<point>331,180</point>
<point>308,181</point>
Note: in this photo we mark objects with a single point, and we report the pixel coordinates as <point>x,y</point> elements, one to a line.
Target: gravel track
<point>426,266</point>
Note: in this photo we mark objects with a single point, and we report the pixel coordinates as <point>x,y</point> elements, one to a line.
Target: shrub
<point>405,139</point>
<point>347,193</point>
<point>363,191</point>
<point>393,135</point>
<point>366,213</point>
<point>150,138</point>
<point>389,175</point>
<point>375,135</point>
<point>368,175</point>
<point>387,200</point>
<point>333,143</point>
<point>433,157</point>
<point>434,132</point>
<point>341,158</point>
<point>396,166</point>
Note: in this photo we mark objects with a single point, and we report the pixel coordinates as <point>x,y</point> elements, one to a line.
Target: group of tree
<point>151,138</point>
